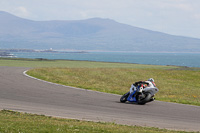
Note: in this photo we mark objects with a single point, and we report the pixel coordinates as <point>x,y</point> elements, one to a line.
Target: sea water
<point>178,59</point>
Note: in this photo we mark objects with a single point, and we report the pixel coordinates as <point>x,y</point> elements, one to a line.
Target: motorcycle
<point>142,95</point>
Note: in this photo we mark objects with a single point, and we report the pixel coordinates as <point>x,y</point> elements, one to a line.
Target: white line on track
<point>66,85</point>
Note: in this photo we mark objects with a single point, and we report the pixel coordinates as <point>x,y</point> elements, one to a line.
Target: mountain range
<point>90,34</point>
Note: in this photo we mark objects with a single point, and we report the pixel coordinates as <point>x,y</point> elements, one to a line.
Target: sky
<point>175,17</point>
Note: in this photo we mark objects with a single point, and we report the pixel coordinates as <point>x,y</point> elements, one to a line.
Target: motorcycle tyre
<point>146,99</point>
<point>123,99</point>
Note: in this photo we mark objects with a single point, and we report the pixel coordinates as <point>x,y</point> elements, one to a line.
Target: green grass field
<point>16,122</point>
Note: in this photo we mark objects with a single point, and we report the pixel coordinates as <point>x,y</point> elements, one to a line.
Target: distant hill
<point>89,34</point>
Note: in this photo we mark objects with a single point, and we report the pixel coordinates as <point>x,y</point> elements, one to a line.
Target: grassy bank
<point>15,122</point>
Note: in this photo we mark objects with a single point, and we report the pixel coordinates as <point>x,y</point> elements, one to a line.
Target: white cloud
<point>175,5</point>
<point>21,11</point>
<point>91,13</point>
<point>197,16</point>
<point>84,14</point>
<point>185,7</point>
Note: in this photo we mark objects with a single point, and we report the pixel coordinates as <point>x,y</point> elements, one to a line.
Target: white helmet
<point>151,80</point>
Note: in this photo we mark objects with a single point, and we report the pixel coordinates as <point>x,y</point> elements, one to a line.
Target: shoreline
<point>87,51</point>
<point>44,59</point>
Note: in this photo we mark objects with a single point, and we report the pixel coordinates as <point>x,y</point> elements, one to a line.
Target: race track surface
<point>21,93</point>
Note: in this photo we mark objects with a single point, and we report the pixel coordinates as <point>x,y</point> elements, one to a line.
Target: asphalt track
<point>21,93</point>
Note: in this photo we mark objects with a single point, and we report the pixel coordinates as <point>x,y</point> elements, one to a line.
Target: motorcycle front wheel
<point>123,99</point>
<point>145,99</point>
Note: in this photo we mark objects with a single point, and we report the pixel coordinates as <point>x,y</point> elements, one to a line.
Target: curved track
<point>21,93</point>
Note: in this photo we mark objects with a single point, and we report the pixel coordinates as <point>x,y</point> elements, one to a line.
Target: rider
<point>135,88</point>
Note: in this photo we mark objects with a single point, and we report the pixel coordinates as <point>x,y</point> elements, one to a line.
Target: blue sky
<point>176,17</point>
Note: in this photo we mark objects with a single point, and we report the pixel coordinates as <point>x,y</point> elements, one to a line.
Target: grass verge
<point>16,122</point>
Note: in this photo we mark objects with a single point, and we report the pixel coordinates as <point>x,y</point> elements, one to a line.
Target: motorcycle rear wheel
<point>145,100</point>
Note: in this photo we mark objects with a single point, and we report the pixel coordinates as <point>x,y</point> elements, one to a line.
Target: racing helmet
<point>151,80</point>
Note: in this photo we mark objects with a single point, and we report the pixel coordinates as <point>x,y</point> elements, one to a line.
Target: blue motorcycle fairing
<point>131,98</point>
